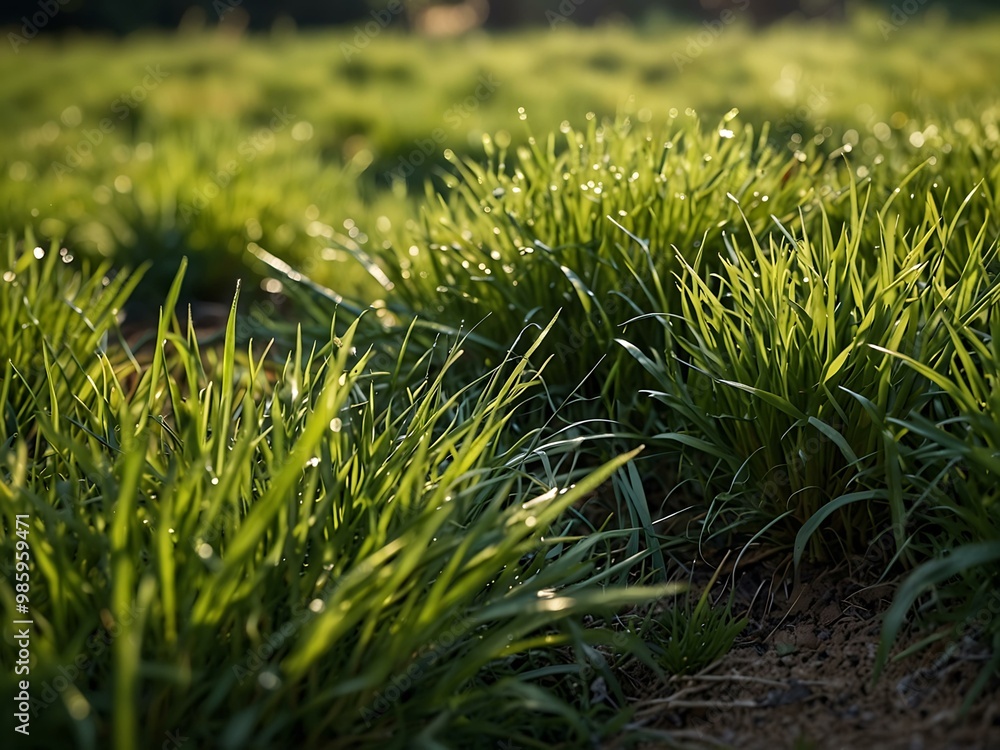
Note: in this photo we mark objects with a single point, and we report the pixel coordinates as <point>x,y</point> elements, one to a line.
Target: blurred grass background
<point>187,161</point>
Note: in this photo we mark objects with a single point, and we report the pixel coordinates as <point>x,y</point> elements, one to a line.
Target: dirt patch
<point>800,675</point>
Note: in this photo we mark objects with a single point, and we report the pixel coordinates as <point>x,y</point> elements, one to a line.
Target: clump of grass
<point>686,639</point>
<point>955,468</point>
<point>42,334</point>
<point>774,370</point>
<point>309,559</point>
<point>512,243</point>
<point>762,335</point>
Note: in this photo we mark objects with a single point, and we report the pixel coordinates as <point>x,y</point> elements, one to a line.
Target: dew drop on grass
<point>336,424</point>
<point>78,707</point>
<point>269,680</point>
<point>39,253</point>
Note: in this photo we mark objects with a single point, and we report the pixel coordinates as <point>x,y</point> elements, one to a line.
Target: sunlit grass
<point>315,558</point>
<point>137,188</point>
<point>433,509</point>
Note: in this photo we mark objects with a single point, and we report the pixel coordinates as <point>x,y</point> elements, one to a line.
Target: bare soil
<point>800,675</point>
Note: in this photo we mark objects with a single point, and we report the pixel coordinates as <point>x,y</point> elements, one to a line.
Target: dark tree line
<point>123,16</point>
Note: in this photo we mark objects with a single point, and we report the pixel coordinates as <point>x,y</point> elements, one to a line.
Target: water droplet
<point>268,680</point>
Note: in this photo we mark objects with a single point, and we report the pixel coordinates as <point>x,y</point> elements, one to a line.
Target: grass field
<point>190,160</point>
<point>526,324</point>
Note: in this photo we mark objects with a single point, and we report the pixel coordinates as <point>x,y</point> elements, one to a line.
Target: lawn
<point>542,389</point>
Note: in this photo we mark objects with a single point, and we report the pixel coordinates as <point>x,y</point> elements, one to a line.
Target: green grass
<point>687,639</point>
<point>143,191</point>
<point>439,504</point>
<point>351,537</point>
<point>816,373</point>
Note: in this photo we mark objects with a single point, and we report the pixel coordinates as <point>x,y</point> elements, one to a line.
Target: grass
<point>147,189</point>
<point>423,557</point>
<point>688,639</point>
<point>461,482</point>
